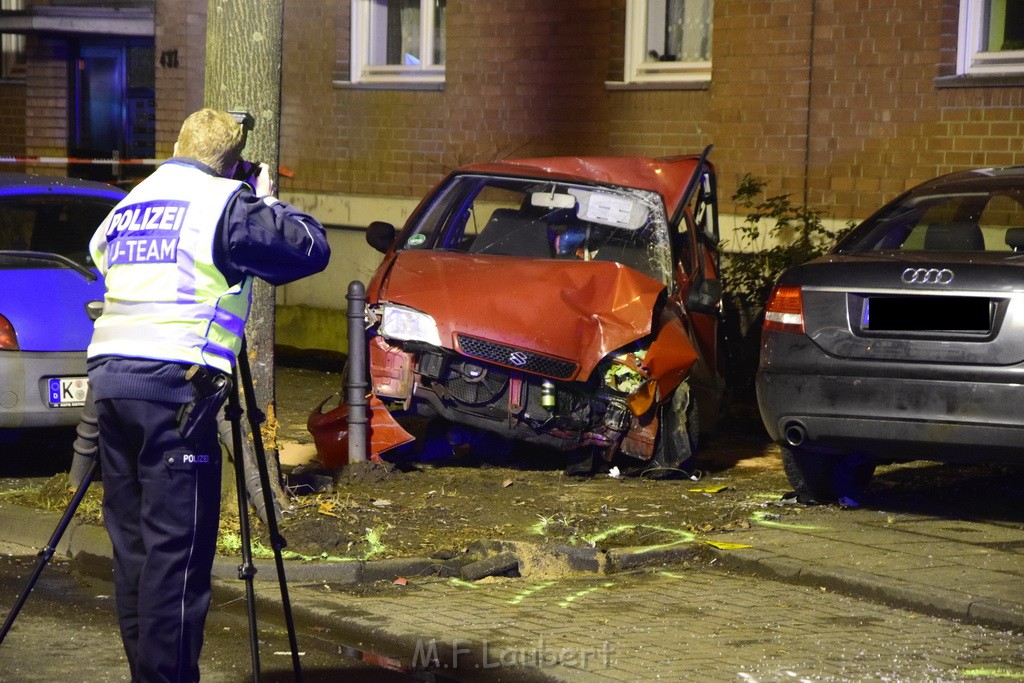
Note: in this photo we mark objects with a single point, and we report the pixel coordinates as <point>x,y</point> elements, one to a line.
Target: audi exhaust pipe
<point>794,433</point>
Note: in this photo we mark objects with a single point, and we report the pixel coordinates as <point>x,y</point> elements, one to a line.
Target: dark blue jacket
<point>271,240</point>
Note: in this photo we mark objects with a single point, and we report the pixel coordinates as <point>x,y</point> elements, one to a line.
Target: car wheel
<point>678,436</point>
<point>818,477</point>
<point>580,462</point>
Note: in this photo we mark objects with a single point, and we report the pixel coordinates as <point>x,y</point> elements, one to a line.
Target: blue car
<point>48,285</point>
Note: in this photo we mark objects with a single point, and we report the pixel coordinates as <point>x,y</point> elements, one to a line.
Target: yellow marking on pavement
<point>462,583</point>
<point>762,519</point>
<point>671,575</point>
<point>681,535</point>
<point>569,599</point>
<point>710,489</point>
<point>723,545</point>
<point>994,673</point>
<point>527,592</point>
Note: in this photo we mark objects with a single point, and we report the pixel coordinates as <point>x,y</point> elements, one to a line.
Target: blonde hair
<point>213,137</point>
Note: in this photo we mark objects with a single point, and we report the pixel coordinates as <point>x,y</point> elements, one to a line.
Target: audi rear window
<point>974,220</point>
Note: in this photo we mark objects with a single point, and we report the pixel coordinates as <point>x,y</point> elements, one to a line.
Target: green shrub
<point>775,235</point>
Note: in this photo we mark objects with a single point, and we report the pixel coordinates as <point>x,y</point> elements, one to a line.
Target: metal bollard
<point>356,383</point>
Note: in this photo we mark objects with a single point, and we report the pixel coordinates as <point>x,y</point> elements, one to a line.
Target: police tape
<point>281,170</point>
<point>77,160</point>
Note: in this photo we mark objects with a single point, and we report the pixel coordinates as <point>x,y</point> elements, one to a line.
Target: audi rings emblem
<point>518,358</point>
<point>927,276</point>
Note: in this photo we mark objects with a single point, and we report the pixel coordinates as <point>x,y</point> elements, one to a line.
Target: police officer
<point>179,255</point>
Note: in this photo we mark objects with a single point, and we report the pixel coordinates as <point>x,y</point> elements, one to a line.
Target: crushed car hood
<point>576,310</point>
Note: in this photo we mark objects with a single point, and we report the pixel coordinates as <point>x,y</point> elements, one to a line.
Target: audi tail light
<point>8,339</point>
<point>785,310</point>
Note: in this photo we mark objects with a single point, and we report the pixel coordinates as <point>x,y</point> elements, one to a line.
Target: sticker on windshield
<point>608,209</point>
<point>417,240</point>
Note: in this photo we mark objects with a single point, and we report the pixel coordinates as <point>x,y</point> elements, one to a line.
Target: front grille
<point>513,357</point>
<point>481,390</point>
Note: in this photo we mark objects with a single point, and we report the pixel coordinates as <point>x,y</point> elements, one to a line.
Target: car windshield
<point>58,224</point>
<point>969,218</point>
<point>504,216</point>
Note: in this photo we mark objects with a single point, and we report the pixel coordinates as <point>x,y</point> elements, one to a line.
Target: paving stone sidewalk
<point>859,577</point>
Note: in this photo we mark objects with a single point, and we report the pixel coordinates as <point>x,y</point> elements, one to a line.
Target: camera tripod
<point>246,571</point>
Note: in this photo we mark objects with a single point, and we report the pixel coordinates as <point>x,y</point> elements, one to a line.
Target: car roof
<point>30,183</point>
<point>1009,175</point>
<point>667,176</point>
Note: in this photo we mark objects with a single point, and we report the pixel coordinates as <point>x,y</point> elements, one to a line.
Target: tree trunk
<point>243,73</point>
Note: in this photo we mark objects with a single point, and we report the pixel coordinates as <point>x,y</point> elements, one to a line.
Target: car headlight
<point>399,322</point>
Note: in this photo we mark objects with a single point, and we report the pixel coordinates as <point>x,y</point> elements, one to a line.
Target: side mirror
<point>380,236</point>
<point>705,295</point>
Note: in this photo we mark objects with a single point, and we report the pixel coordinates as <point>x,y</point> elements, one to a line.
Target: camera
<point>247,171</point>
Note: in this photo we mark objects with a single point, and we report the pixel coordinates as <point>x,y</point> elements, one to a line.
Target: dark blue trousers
<point>161,507</point>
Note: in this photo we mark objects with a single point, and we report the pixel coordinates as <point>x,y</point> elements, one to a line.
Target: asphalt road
<point>66,631</point>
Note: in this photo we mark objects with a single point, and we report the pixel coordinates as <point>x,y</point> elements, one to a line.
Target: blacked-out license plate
<point>927,314</point>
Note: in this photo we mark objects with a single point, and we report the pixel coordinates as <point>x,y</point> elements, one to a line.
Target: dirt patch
<point>441,510</point>
<point>450,505</point>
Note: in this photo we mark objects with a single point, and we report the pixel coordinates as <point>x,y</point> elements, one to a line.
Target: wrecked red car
<point>573,303</point>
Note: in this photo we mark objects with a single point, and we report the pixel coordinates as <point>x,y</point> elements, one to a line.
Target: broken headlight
<point>626,373</point>
<point>408,324</point>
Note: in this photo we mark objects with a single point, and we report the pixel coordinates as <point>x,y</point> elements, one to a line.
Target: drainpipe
<point>807,123</point>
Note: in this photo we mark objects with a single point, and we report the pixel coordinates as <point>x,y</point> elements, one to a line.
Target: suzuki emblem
<point>518,358</point>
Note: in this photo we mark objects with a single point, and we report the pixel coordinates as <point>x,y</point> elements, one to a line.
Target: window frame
<point>642,71</point>
<point>363,45</point>
<point>12,47</point>
<point>971,60</point>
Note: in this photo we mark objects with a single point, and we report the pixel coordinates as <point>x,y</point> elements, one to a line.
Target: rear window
<point>61,224</point>
<point>974,220</point>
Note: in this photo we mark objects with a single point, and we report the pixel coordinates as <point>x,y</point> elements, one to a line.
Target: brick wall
<point>180,37</point>
<point>835,99</point>
<point>46,93</point>
<point>12,122</point>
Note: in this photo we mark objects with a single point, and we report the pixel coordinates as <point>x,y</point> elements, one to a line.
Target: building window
<point>398,41</point>
<point>12,58</point>
<point>991,37</point>
<point>668,40</point>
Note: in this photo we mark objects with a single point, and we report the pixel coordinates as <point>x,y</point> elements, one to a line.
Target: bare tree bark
<point>243,73</point>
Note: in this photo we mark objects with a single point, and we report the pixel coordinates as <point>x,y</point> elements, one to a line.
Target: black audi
<point>905,342</point>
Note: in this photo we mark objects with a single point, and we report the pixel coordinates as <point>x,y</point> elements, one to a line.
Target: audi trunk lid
<point>919,307</point>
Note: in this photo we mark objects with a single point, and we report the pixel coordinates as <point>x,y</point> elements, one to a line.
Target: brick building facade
<point>840,104</point>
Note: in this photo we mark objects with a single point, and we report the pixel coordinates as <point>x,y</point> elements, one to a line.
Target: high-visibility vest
<point>165,298</point>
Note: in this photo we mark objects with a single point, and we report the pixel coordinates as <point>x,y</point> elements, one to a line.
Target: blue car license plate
<point>68,392</point>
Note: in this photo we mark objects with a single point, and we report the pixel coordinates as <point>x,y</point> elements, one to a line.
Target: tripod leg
<point>246,570</point>
<point>276,540</point>
<point>46,553</point>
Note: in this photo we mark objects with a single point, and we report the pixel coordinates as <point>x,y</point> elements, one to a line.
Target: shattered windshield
<point>532,218</point>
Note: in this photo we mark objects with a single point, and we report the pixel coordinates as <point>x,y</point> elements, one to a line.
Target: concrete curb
<point>89,547</point>
<point>926,599</point>
<point>89,544</point>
